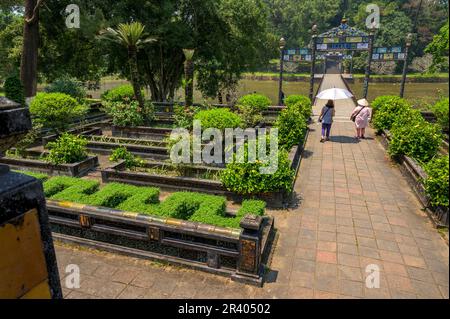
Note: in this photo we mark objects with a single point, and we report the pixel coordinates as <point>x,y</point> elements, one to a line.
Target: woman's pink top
<point>363,118</point>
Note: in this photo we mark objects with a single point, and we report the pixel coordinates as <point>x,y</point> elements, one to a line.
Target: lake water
<point>416,93</point>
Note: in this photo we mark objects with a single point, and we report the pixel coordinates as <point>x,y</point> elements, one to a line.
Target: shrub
<point>143,201</point>
<point>246,178</point>
<point>183,116</point>
<point>387,109</point>
<point>130,114</point>
<point>256,101</point>
<point>292,100</point>
<point>436,185</point>
<point>218,118</point>
<point>56,110</point>
<point>121,153</point>
<point>440,110</point>
<point>14,89</point>
<point>301,103</point>
<point>382,100</point>
<point>67,149</point>
<point>250,108</point>
<point>122,93</point>
<point>292,127</point>
<point>420,140</point>
<point>67,86</point>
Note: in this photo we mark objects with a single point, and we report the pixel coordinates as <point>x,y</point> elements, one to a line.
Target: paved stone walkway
<point>354,209</point>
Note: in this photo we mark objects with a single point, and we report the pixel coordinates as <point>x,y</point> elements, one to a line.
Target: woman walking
<point>326,118</point>
<point>361,115</point>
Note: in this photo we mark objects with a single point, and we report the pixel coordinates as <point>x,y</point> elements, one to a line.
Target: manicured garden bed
<point>190,229</point>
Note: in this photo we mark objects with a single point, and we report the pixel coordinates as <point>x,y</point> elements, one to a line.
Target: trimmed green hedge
<point>219,118</point>
<point>292,126</point>
<point>122,93</point>
<point>436,185</point>
<point>386,110</point>
<point>204,208</point>
<point>440,110</point>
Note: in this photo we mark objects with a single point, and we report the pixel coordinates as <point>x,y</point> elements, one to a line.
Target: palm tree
<point>189,77</point>
<point>131,36</point>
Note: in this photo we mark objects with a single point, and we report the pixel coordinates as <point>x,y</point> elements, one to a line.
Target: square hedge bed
<point>190,229</point>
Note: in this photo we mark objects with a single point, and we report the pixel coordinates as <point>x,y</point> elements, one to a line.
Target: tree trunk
<point>189,85</point>
<point>132,54</point>
<point>29,59</point>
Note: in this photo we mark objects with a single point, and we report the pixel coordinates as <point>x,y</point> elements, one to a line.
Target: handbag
<point>323,115</point>
<point>354,116</point>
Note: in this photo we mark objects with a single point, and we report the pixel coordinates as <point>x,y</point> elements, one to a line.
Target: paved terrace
<point>354,209</point>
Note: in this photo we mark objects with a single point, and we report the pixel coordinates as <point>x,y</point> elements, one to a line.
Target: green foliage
<point>56,110</point>
<point>67,86</point>
<point>439,47</point>
<point>122,93</point>
<point>440,110</point>
<point>29,139</point>
<point>436,185</point>
<point>386,111</point>
<point>250,108</point>
<point>57,184</point>
<point>300,102</point>
<point>419,140</point>
<point>246,178</point>
<point>253,207</point>
<point>67,149</point>
<point>220,118</point>
<point>14,89</point>
<point>292,127</point>
<point>121,153</point>
<point>256,101</point>
<point>130,114</point>
<point>183,116</point>
<point>197,207</point>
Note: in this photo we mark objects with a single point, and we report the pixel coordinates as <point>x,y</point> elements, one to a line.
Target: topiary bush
<point>250,108</point>
<point>388,108</point>
<point>436,185</point>
<point>67,86</point>
<point>122,93</point>
<point>67,149</point>
<point>56,110</point>
<point>292,127</point>
<point>218,118</point>
<point>440,110</point>
<point>300,102</point>
<point>420,140</point>
<point>383,100</point>
<point>256,101</point>
<point>244,177</point>
<point>130,113</point>
<point>14,89</point>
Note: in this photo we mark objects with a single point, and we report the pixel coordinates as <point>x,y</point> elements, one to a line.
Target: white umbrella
<point>334,94</point>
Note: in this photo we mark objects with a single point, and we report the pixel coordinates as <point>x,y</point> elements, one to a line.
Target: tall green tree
<point>189,76</point>
<point>132,37</point>
<point>439,47</point>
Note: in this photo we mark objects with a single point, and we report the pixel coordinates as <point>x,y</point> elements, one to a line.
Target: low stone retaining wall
<point>140,132</point>
<point>236,253</point>
<point>34,165</point>
<point>415,176</point>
